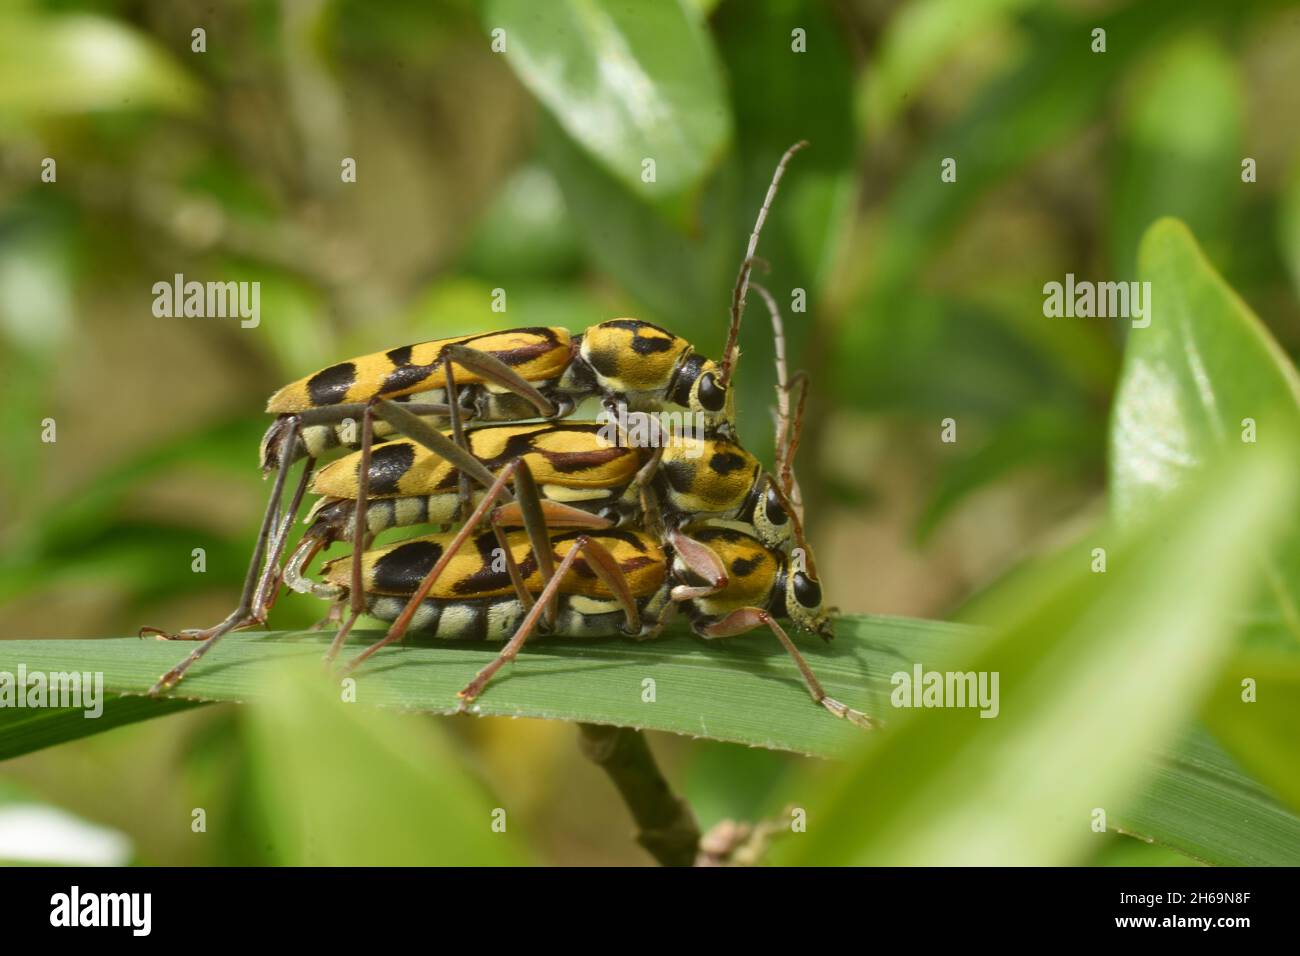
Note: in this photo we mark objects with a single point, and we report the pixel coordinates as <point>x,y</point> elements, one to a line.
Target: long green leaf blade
<point>1095,670</point>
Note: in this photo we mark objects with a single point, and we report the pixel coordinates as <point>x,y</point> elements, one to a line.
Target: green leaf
<point>323,764</point>
<point>81,63</point>
<point>23,730</point>
<point>1260,724</point>
<point>1200,803</point>
<point>742,690</point>
<point>626,80</point>
<point>1095,672</point>
<point>1192,383</point>
<point>745,690</point>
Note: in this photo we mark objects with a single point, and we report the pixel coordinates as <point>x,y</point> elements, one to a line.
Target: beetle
<point>512,374</point>
<point>477,586</point>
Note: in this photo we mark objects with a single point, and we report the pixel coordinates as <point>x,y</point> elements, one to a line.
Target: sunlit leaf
<point>628,81</point>
<point>81,63</point>
<point>1204,381</point>
<point>344,784</point>
<point>1096,670</point>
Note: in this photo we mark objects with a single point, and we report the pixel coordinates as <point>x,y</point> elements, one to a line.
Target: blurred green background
<point>479,170</point>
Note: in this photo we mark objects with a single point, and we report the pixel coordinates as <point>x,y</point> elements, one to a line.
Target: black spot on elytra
<point>404,377</point>
<point>400,356</point>
<point>388,463</point>
<point>401,570</point>
<point>488,577</point>
<point>744,567</point>
<point>330,386</point>
<point>544,340</point>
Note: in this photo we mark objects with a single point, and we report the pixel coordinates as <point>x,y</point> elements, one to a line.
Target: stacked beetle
<point>561,530</point>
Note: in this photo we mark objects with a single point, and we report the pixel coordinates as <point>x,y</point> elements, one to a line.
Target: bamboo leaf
<point>742,691</point>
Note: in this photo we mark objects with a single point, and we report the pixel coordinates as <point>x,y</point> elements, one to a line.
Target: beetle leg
<point>399,626</point>
<point>494,370</point>
<point>606,568</point>
<point>702,562</point>
<point>746,619</point>
<point>458,436</point>
<point>438,443</point>
<point>261,565</point>
<point>357,596</point>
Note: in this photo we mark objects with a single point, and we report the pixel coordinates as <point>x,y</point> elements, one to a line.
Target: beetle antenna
<point>789,483</point>
<point>782,374</point>
<point>730,354</point>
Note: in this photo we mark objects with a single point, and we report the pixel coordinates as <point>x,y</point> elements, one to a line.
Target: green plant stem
<point>668,830</point>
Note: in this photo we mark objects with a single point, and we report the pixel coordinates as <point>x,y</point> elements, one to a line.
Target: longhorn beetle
<point>531,372</point>
<point>698,481</point>
<point>577,583</point>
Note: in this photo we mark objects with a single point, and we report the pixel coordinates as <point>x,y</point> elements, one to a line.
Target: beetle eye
<point>774,509</point>
<point>807,591</point>
<point>712,395</point>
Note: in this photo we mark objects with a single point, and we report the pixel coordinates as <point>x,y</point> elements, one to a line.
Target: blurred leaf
<point>23,730</point>
<point>526,231</point>
<point>917,40</point>
<point>1056,437</point>
<point>1263,732</point>
<point>1179,149</point>
<point>35,833</point>
<point>80,63</point>
<point>782,96</point>
<point>343,784</point>
<point>628,81</point>
<point>681,275</point>
<point>938,356</point>
<point>1289,225</point>
<point>1096,670</point>
<point>90,532</point>
<point>1056,90</point>
<point>1121,850</point>
<point>1191,379</point>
